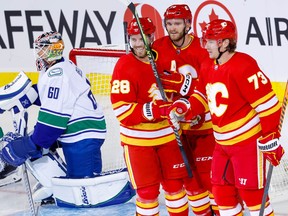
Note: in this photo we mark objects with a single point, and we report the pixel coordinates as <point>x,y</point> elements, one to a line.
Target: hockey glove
<point>271,148</point>
<point>176,82</point>
<point>18,149</point>
<point>180,107</point>
<point>156,110</point>
<point>197,120</point>
<point>177,112</point>
<point>21,94</point>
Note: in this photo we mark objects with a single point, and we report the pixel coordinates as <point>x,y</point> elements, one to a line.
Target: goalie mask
<point>48,48</point>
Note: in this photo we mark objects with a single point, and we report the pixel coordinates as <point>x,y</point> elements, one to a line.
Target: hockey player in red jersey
<point>151,152</point>
<point>245,116</point>
<point>180,55</point>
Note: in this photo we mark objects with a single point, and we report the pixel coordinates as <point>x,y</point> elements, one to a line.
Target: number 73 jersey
<point>241,100</point>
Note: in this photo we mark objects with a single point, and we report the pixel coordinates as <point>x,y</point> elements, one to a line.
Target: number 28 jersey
<point>133,84</point>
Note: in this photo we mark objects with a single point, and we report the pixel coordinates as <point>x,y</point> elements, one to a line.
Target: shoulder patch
<point>55,72</point>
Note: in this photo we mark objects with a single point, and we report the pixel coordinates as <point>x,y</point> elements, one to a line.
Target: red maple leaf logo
<point>212,16</point>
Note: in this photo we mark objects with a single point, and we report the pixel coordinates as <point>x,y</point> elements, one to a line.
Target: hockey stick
<point>132,8</point>
<point>20,126</point>
<point>126,37</point>
<point>270,169</point>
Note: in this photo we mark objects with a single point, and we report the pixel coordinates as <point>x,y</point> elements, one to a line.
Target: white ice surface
<point>14,202</point>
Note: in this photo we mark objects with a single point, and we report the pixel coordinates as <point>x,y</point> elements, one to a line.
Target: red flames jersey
<point>190,58</point>
<point>242,103</point>
<point>133,84</point>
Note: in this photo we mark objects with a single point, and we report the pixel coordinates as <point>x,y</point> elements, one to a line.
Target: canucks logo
<point>55,72</point>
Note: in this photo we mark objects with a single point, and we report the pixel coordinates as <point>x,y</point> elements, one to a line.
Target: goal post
<point>98,64</point>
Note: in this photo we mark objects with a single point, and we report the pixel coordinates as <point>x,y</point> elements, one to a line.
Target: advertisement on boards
<point>262,27</point>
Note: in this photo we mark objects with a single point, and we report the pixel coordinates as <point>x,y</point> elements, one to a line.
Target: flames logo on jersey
<point>212,91</point>
<point>155,94</point>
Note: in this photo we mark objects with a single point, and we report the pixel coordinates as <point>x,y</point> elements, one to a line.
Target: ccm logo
<point>204,158</point>
<point>176,166</point>
<point>187,83</point>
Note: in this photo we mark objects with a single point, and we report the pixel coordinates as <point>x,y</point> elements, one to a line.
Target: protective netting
<point>99,70</point>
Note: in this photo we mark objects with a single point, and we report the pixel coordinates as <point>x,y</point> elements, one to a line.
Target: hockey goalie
<point>69,118</point>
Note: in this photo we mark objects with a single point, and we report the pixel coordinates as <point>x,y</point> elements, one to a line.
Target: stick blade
<point>130,5</point>
<point>126,2</point>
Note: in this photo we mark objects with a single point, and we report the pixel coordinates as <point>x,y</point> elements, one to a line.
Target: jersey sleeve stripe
<point>52,120</point>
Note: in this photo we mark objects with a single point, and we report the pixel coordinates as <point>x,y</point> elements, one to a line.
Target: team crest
<point>55,72</point>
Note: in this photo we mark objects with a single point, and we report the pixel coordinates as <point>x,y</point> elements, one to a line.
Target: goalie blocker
<point>18,94</point>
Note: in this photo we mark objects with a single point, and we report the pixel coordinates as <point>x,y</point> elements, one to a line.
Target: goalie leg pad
<point>40,193</point>
<point>43,169</point>
<point>10,175</point>
<point>46,167</point>
<point>92,192</point>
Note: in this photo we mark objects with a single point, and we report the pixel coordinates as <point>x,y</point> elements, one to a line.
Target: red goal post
<point>95,51</point>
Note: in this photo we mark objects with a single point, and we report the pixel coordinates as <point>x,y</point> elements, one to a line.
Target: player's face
<point>212,48</point>
<point>136,42</point>
<point>41,51</point>
<point>175,29</point>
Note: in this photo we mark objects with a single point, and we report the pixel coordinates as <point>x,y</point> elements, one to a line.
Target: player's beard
<point>140,52</point>
<point>177,37</point>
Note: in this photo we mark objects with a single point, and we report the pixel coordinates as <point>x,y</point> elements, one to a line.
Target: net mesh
<point>99,70</point>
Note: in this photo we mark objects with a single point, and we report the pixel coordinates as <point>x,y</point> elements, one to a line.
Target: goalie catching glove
<point>176,82</point>
<point>271,148</point>
<point>156,110</point>
<point>17,149</point>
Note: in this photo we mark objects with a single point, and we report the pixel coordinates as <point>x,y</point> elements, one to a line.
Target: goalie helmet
<point>219,29</point>
<point>178,11</point>
<point>48,48</point>
<point>147,26</point>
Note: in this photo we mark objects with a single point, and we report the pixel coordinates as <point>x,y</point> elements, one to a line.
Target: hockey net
<point>98,63</point>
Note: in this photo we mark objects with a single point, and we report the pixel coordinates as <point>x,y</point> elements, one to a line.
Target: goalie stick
<point>270,169</point>
<point>20,126</point>
<point>132,8</point>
